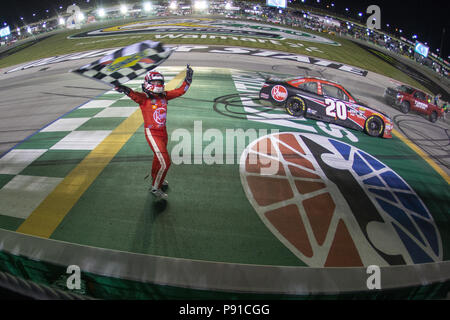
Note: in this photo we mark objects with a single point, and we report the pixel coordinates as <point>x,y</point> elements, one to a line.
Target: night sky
<point>426,19</point>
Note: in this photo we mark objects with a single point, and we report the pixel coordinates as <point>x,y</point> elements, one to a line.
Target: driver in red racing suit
<point>153,104</point>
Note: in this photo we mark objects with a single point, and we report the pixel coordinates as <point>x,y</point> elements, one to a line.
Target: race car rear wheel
<point>296,106</point>
<point>404,107</point>
<point>433,116</point>
<point>374,126</point>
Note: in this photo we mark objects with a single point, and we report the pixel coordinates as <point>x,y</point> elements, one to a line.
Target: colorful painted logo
<point>334,205</point>
<point>210,26</point>
<point>279,93</point>
<point>160,116</point>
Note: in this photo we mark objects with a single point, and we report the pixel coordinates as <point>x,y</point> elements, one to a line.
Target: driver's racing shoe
<point>158,194</point>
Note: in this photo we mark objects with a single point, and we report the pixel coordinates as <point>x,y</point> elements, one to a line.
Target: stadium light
<point>201,5</point>
<point>101,12</point>
<point>173,5</point>
<point>147,6</point>
<point>123,9</point>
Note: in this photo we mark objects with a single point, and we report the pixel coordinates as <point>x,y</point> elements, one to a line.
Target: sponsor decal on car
<point>264,95</point>
<point>421,105</point>
<point>279,93</point>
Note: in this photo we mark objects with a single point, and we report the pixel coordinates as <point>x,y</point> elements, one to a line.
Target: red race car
<point>410,99</point>
<point>325,100</point>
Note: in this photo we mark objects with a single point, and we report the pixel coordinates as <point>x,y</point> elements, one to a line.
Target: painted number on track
<point>336,109</point>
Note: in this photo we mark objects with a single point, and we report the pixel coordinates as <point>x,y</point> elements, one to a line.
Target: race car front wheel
<point>374,126</point>
<point>296,106</point>
<point>404,107</point>
<point>433,116</point>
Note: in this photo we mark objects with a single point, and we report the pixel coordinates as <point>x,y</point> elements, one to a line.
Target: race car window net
<point>334,92</point>
<point>350,95</point>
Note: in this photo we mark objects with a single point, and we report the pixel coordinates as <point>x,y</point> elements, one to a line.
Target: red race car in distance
<point>410,99</point>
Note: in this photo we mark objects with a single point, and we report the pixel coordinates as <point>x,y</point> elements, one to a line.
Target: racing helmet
<point>153,83</point>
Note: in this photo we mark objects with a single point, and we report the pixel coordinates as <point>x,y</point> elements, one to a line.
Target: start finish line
<point>203,49</point>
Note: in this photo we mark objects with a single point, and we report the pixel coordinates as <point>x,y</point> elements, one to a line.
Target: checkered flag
<point>127,63</point>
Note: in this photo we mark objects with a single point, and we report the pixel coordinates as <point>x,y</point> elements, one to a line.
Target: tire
<point>404,107</point>
<point>374,126</point>
<point>296,106</point>
<point>433,116</point>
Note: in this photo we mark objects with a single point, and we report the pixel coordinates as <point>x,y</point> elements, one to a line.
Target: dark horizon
<point>412,17</point>
<point>415,17</point>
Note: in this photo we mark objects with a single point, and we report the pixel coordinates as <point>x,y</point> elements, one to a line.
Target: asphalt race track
<point>361,200</point>
<point>32,98</point>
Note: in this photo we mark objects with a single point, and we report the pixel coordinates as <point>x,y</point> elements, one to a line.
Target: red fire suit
<point>154,111</point>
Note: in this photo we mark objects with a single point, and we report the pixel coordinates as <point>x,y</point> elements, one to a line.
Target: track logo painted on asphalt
<point>209,26</point>
<point>334,205</point>
<point>126,62</point>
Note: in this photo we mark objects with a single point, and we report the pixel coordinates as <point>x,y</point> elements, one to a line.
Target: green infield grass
<point>348,52</point>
